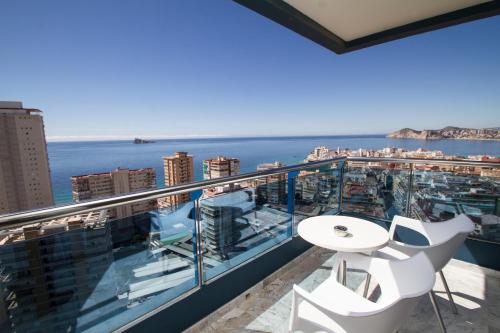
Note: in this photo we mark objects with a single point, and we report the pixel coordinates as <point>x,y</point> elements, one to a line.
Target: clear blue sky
<point>161,68</point>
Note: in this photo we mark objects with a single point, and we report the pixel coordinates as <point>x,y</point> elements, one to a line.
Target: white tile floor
<point>266,306</point>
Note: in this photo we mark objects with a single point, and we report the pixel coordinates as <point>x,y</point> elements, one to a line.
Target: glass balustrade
<point>317,192</point>
<point>96,271</point>
<point>442,191</point>
<point>99,271</point>
<point>241,221</point>
<point>375,189</point>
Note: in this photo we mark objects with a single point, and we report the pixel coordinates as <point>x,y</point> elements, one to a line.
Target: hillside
<point>448,132</point>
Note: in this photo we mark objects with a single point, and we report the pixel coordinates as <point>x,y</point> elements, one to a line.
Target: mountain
<point>448,132</point>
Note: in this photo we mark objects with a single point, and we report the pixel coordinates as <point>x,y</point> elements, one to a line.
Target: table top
<point>364,236</point>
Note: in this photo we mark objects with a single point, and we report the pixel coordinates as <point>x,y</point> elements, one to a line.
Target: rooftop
<point>15,107</point>
<point>221,158</point>
<point>142,170</point>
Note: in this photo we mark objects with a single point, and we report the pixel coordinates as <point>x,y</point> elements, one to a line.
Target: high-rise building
<point>271,189</point>
<point>222,220</point>
<point>178,169</point>
<point>219,167</point>
<point>219,213</point>
<point>24,165</point>
<point>50,272</point>
<point>118,181</point>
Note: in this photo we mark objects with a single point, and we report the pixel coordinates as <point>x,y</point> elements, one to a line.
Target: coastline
<point>433,139</point>
<point>75,158</point>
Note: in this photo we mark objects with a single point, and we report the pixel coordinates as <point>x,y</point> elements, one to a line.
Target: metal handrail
<point>425,161</point>
<point>40,215</point>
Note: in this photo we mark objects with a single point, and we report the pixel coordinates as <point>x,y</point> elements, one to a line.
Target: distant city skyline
<point>190,69</point>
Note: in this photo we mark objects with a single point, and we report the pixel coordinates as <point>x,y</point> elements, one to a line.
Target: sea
<point>68,159</point>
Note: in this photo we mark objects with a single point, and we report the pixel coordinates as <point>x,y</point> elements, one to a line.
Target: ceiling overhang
<point>347,25</point>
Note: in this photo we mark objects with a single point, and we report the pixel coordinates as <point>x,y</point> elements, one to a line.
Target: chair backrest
<point>401,282</point>
<point>401,279</point>
<point>444,237</point>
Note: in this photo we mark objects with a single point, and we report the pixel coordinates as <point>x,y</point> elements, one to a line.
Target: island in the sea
<point>138,141</point>
<point>448,132</point>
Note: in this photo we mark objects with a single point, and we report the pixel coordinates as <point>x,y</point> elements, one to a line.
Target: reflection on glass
<point>316,192</point>
<point>440,192</point>
<point>375,189</point>
<point>242,222</point>
<point>90,273</point>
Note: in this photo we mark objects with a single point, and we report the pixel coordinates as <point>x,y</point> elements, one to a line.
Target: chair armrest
<point>332,309</point>
<point>299,293</point>
<point>366,262</point>
<point>408,249</point>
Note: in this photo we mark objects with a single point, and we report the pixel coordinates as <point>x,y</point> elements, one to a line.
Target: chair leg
<point>339,272</point>
<point>344,272</point>
<point>450,297</point>
<point>367,284</point>
<point>436,310</point>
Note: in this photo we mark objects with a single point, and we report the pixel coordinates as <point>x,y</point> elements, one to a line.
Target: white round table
<point>363,235</point>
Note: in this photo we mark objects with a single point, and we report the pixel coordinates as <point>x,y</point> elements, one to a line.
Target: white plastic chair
<point>444,240</point>
<point>332,307</point>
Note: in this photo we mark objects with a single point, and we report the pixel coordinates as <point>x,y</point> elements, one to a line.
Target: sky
<point>190,68</point>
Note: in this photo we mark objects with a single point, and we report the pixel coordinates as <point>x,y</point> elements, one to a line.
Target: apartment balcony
<point>231,267</point>
<point>227,262</point>
<point>265,307</point>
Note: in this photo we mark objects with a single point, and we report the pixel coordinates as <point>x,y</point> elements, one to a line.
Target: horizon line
<point>89,138</point>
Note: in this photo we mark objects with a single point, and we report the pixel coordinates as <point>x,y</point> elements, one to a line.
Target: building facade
<point>24,164</point>
<point>178,169</point>
<point>49,272</point>
<point>118,181</point>
<point>219,167</point>
<point>271,189</point>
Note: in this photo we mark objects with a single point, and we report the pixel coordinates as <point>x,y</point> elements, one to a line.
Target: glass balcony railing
<point>92,272</point>
<point>440,192</point>
<point>317,191</point>
<point>102,265</point>
<point>243,223</point>
<point>376,189</point>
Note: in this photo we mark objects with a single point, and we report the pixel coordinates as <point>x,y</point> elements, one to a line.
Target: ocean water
<point>77,158</point>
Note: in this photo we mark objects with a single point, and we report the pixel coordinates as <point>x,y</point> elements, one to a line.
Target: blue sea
<point>77,158</point>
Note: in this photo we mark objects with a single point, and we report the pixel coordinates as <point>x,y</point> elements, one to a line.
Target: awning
<point>348,25</point>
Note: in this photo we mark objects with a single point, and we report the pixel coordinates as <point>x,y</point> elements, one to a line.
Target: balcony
<point>265,307</point>
<point>237,252</point>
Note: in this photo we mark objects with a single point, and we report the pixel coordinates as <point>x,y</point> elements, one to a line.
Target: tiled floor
<point>266,306</point>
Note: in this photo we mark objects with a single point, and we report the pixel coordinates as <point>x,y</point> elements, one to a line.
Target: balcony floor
<point>266,306</point>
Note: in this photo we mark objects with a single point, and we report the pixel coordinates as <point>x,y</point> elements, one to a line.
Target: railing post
<point>409,194</point>
<point>291,199</point>
<point>341,185</point>
<point>199,242</point>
